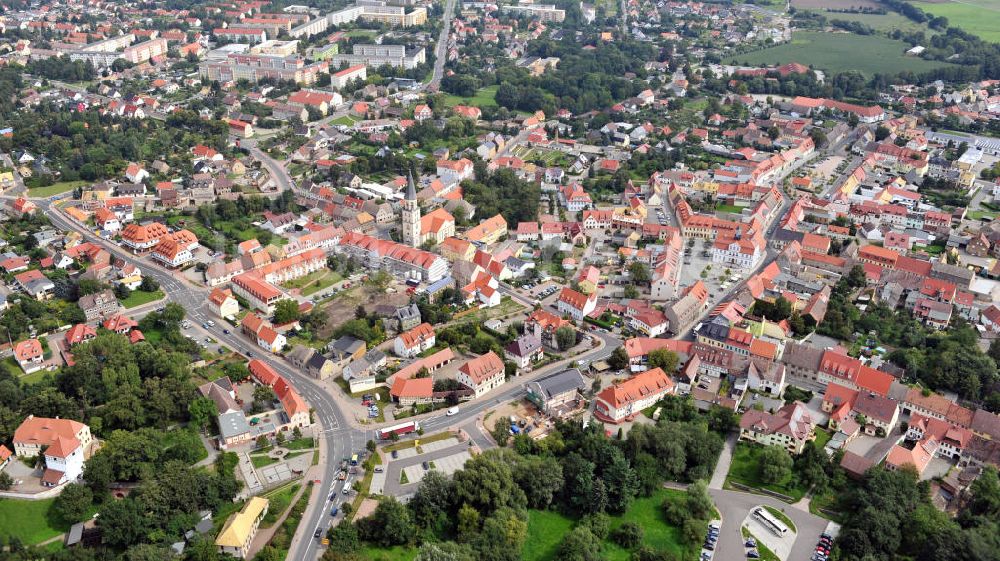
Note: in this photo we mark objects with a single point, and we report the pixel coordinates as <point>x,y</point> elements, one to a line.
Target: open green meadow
<point>547,528</point>
<point>880,22</point>
<point>485,97</point>
<point>979,17</point>
<point>839,52</point>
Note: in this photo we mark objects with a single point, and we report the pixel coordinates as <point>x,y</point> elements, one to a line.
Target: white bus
<point>776,526</point>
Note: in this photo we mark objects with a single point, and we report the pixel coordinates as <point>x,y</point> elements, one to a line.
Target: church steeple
<point>411,188</point>
<point>411,214</point>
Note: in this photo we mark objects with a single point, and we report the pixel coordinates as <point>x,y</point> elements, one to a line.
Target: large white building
<point>380,55</point>
<point>64,442</point>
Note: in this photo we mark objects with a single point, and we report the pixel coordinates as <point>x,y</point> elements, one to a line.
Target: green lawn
<point>839,52</point>
<point>745,470</point>
<point>30,521</point>
<point>822,437</point>
<point>265,460</point>
<point>547,528</point>
<point>280,499</point>
<point>346,120</point>
<point>303,443</point>
<point>485,97</point>
<point>55,188</point>
<point>978,17</point>
<point>140,297</point>
<point>315,281</point>
<point>729,208</point>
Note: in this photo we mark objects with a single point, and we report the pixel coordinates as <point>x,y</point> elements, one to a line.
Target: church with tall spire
<point>411,215</point>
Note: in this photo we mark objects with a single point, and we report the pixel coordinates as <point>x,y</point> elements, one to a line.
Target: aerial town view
<point>465,280</point>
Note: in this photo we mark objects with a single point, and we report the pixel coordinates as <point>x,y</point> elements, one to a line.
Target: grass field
<point>979,17</point>
<point>745,470</point>
<point>879,22</point>
<point>30,521</point>
<point>55,188</point>
<point>486,97</point>
<point>839,52</point>
<point>140,297</point>
<point>315,281</point>
<point>547,528</point>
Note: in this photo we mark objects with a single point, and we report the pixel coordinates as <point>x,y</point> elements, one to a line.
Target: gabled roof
<point>637,387</point>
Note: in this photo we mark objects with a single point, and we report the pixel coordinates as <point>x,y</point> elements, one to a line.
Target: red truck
<point>399,430</point>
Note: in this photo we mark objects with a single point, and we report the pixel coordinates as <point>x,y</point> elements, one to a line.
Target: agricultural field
<point>879,22</point>
<point>486,97</point>
<point>834,4</point>
<point>979,17</point>
<point>839,52</point>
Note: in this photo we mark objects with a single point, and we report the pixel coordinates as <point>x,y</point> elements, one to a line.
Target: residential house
<point>875,413</point>
<point>558,393</point>
<point>29,355</point>
<point>239,531</point>
<point>789,427</point>
<point>222,303</point>
<point>524,351</point>
<point>482,374</point>
<point>576,304</point>
<point>34,284</point>
<point>414,341</point>
<point>622,401</point>
<point>99,305</point>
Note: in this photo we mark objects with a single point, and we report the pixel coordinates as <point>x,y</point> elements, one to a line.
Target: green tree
<point>389,525</point>
<point>202,412</point>
<point>639,272</point>
<point>486,482</point>
<point>502,536</point>
<point>663,358</point>
<point>286,311</point>
<point>629,535</point>
<point>775,465</point>
<point>565,337</point>
<point>619,359</point>
<point>445,551</point>
<point>580,544</point>
<point>74,502</point>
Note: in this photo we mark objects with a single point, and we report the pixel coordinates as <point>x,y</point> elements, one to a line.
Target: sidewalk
<point>722,467</point>
<point>316,499</point>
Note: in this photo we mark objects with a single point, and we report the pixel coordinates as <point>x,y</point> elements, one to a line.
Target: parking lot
<point>779,544</point>
<point>446,465</point>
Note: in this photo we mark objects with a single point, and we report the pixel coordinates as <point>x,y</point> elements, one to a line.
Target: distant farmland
<point>979,17</point>
<point>839,52</point>
<point>835,4</point>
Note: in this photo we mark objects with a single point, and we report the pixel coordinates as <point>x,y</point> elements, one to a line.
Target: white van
<point>451,411</point>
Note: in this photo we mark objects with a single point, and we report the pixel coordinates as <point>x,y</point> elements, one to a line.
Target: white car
<point>451,411</point>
